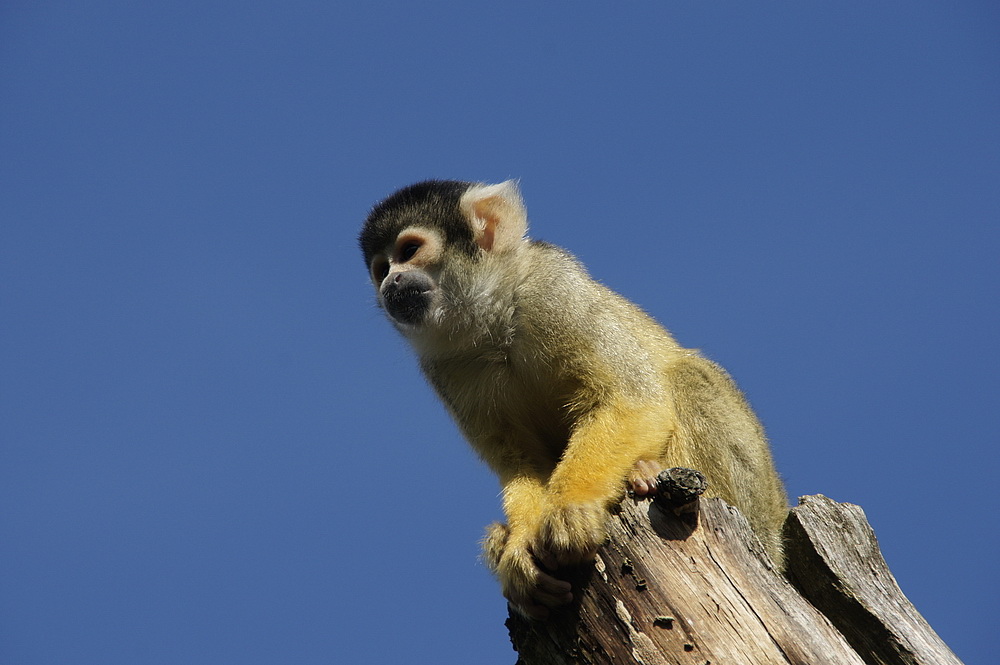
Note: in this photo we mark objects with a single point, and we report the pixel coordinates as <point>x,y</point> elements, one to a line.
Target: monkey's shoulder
<point>559,295</point>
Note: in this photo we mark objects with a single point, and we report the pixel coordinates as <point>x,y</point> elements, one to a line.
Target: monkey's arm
<point>603,451</point>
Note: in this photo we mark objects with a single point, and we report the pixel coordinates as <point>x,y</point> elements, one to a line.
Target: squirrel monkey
<point>567,390</point>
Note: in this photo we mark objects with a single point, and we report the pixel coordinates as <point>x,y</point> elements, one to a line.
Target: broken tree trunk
<point>834,561</point>
<point>699,589</point>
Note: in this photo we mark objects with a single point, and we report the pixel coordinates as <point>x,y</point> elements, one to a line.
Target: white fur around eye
<point>417,245</point>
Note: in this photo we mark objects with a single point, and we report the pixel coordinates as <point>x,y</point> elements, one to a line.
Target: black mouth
<point>407,305</point>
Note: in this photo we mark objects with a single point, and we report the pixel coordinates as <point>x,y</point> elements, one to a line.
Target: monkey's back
<point>716,431</point>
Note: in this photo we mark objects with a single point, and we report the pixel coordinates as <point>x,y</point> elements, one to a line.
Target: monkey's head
<point>432,254</point>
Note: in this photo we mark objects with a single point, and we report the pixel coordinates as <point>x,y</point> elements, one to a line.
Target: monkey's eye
<point>408,249</point>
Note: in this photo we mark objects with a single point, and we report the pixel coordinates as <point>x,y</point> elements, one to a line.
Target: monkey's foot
<point>642,477</point>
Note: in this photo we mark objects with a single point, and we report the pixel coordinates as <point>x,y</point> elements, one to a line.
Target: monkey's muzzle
<point>407,295</point>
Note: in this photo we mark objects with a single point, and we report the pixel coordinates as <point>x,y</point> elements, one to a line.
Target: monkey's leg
<point>602,453</point>
<point>507,550</point>
<point>723,439</point>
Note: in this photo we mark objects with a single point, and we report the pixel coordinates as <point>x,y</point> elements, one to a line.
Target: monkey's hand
<point>570,534</point>
<point>529,589</point>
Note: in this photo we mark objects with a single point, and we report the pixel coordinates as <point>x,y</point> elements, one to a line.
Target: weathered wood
<point>698,588</point>
<point>666,592</point>
<point>835,562</point>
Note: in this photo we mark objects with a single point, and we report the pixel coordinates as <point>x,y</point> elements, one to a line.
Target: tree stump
<point>694,587</point>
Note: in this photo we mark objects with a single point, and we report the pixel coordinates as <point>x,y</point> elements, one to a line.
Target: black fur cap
<point>431,203</point>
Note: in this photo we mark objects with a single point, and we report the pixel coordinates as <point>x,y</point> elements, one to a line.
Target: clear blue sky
<point>215,450</point>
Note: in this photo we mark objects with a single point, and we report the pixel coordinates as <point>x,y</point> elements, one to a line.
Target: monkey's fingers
<point>552,561</point>
<point>535,601</point>
<point>642,478</point>
<point>550,593</point>
<point>546,588</point>
<point>526,585</point>
<point>545,557</point>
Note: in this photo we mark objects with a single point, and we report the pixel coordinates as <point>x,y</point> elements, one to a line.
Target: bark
<point>698,588</point>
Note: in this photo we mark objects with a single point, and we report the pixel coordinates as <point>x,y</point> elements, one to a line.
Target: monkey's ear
<point>497,215</point>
